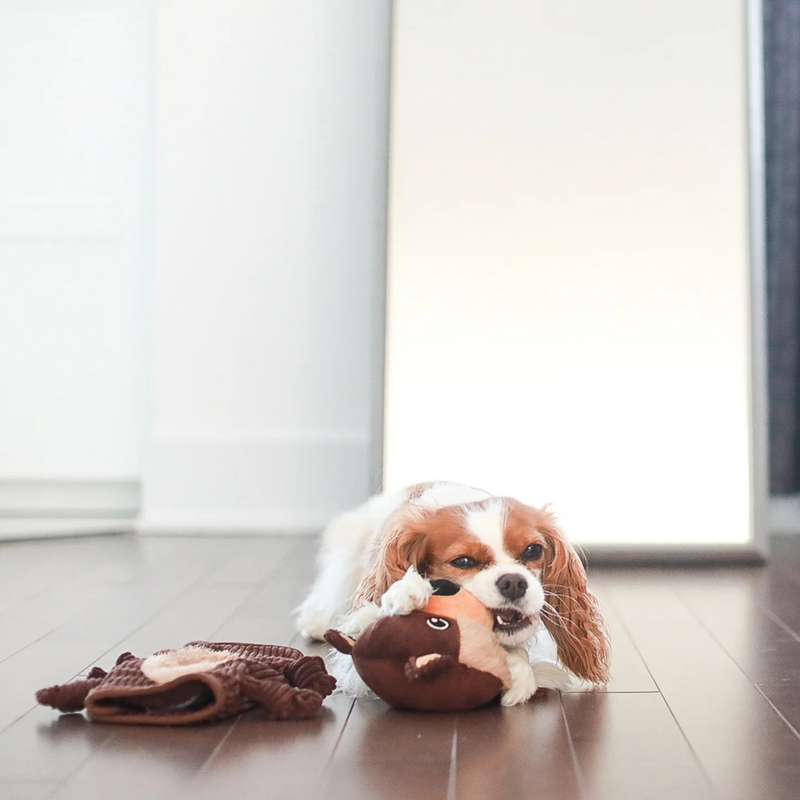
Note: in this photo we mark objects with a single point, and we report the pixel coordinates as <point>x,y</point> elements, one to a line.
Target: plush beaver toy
<point>443,658</point>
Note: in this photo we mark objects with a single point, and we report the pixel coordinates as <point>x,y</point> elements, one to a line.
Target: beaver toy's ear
<point>344,644</point>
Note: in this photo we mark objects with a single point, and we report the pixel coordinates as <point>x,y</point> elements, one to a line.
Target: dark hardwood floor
<point>705,701</point>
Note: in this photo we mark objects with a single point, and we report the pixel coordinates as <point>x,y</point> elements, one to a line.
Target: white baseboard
<point>68,498</point>
<point>784,513</point>
<point>232,525</point>
<point>45,508</point>
<point>251,485</point>
<point>31,528</point>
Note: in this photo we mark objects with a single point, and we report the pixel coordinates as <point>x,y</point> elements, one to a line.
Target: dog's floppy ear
<point>399,546</point>
<point>573,618</point>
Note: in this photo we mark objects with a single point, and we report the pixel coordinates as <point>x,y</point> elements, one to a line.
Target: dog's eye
<point>532,552</point>
<point>438,624</point>
<point>464,562</point>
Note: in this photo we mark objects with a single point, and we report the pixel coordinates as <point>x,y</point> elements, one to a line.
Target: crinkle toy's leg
<point>69,696</point>
<point>309,672</point>
<point>280,699</point>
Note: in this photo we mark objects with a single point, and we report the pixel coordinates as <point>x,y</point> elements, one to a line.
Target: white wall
<point>192,236</point>
<point>74,88</point>
<point>270,215</point>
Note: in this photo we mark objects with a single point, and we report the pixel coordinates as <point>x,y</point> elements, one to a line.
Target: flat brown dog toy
<point>199,682</point>
<point>443,658</point>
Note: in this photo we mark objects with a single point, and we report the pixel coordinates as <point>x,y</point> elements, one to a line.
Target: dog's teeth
<point>499,620</point>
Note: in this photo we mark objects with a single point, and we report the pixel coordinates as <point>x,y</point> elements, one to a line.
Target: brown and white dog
<point>511,556</point>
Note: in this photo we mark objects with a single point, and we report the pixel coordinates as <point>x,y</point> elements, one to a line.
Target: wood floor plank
<point>72,575</point>
<point>74,646</point>
<point>266,615</point>
<point>629,673</point>
<point>42,664</point>
<point>27,791</point>
<point>779,585</point>
<point>290,583</point>
<point>744,746</point>
<point>165,620</point>
<point>144,762</point>
<point>196,614</point>
<point>95,633</point>
<point>46,746</point>
<point>721,647</point>
<point>134,602</point>
<point>21,626</point>
<point>734,606</point>
<point>25,571</point>
<point>386,754</point>
<point>628,746</point>
<point>280,760</point>
<point>255,560</point>
<point>515,752</point>
<point>247,626</point>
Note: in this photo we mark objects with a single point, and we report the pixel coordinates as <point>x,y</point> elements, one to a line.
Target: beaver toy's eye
<point>438,624</point>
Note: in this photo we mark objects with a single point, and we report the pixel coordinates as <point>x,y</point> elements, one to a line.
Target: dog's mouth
<point>510,620</point>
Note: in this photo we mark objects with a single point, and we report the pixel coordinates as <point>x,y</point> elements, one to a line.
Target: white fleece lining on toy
<point>165,667</point>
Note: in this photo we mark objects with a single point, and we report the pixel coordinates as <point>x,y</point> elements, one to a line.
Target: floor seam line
<point>683,733</point>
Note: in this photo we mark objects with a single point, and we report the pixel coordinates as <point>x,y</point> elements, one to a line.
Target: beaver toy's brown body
<point>443,658</point>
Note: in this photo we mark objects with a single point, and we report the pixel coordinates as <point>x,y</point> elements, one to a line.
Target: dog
<point>513,557</point>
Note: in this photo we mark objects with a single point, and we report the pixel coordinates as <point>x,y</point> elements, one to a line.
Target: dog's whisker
<point>554,616</point>
<point>554,610</point>
<point>557,586</point>
<point>567,633</point>
<point>562,597</point>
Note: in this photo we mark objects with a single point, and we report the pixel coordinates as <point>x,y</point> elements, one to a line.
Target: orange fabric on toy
<point>460,604</point>
<point>443,658</point>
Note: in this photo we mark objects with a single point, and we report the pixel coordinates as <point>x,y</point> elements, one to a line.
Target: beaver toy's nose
<point>512,586</point>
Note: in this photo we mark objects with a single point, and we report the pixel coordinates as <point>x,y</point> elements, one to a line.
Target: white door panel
<point>569,286</point>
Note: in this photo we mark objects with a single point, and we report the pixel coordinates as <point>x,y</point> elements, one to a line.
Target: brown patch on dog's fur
<point>574,619</point>
<point>522,529</point>
<point>427,539</point>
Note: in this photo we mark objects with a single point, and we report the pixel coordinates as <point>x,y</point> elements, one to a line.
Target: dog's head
<point>513,558</point>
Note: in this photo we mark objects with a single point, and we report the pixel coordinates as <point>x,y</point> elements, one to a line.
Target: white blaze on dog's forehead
<point>488,523</point>
<point>439,495</point>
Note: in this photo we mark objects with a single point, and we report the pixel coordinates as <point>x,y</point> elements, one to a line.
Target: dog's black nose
<point>512,585</point>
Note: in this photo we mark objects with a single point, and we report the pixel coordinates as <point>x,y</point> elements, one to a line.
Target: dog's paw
<point>312,622</point>
<point>357,621</point>
<point>523,679</point>
<point>410,593</point>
